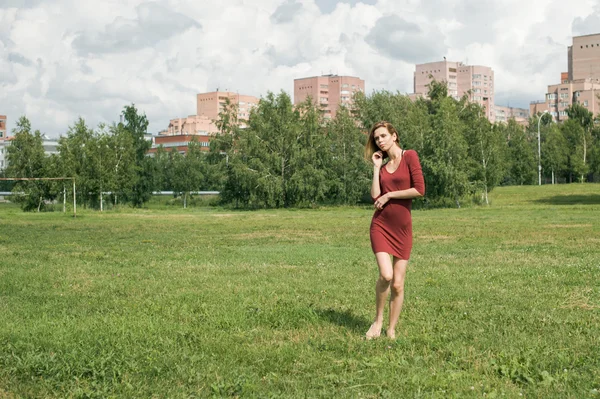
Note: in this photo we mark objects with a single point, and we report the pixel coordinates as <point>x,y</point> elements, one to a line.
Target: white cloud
<point>60,59</point>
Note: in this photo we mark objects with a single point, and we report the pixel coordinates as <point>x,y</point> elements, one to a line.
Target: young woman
<point>395,184</point>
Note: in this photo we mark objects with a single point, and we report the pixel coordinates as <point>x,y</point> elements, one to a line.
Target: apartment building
<point>202,125</point>
<point>209,105</point>
<point>328,91</point>
<point>503,114</point>
<point>475,81</point>
<point>3,133</point>
<point>179,142</point>
<point>193,124</point>
<point>580,84</point>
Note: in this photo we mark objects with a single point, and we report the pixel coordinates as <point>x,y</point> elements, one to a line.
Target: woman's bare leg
<point>382,289</point>
<point>397,297</point>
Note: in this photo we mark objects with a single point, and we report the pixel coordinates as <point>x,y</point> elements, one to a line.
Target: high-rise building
<point>581,84</point>
<point>192,125</point>
<point>503,114</point>
<point>211,104</point>
<point>202,125</point>
<point>208,108</point>
<point>476,81</point>
<point>328,91</point>
<point>584,58</point>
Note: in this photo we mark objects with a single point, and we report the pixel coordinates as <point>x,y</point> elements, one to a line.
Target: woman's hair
<point>371,146</point>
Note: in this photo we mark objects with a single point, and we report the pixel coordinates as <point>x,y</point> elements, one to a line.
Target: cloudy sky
<point>60,59</point>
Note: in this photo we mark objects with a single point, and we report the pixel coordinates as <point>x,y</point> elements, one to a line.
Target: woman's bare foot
<point>374,331</point>
<point>391,334</point>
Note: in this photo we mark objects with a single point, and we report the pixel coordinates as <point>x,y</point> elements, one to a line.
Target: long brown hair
<point>371,146</point>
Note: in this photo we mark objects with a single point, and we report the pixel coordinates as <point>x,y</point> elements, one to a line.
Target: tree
<point>554,152</point>
<point>486,149</point>
<point>309,180</point>
<point>76,153</point>
<point>585,119</point>
<point>26,159</point>
<point>347,170</point>
<point>574,134</point>
<point>444,157</point>
<point>136,125</point>
<point>262,161</point>
<point>163,167</point>
<point>221,147</point>
<point>522,165</point>
<point>121,167</point>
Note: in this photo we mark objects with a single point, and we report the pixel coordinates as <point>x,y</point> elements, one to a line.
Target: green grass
<point>501,300</point>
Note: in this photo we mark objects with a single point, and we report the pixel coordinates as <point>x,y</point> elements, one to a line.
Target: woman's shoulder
<point>410,153</point>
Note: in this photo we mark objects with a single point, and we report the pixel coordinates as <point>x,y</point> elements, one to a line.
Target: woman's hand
<point>377,159</point>
<point>381,201</point>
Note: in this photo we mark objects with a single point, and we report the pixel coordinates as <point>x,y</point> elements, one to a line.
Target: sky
<point>64,59</point>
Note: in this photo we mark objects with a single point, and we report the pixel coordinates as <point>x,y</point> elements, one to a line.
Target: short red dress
<point>391,227</point>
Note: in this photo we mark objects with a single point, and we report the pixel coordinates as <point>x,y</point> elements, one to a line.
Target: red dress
<point>391,227</point>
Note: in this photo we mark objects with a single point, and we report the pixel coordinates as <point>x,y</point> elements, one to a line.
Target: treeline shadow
<point>345,319</point>
<point>579,199</point>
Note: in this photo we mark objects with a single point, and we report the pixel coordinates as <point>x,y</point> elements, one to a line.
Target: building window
<point>585,103</point>
<point>324,86</point>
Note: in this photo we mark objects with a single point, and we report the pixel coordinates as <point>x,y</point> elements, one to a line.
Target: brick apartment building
<point>328,91</point>
<point>475,80</point>
<point>201,127</point>
<point>503,114</point>
<point>580,84</point>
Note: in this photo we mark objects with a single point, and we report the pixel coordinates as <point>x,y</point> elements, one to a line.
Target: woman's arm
<point>410,193</point>
<point>375,186</point>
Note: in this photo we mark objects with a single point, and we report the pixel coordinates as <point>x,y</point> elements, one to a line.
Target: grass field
<point>501,301</point>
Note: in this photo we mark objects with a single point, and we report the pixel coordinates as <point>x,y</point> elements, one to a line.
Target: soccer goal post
<point>51,178</point>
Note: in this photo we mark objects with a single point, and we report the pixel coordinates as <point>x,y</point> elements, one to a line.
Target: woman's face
<point>383,138</point>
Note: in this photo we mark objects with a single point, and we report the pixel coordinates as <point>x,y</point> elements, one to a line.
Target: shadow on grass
<point>345,319</point>
<point>590,199</point>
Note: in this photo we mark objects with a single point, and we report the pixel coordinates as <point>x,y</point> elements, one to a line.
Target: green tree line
<point>292,156</point>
